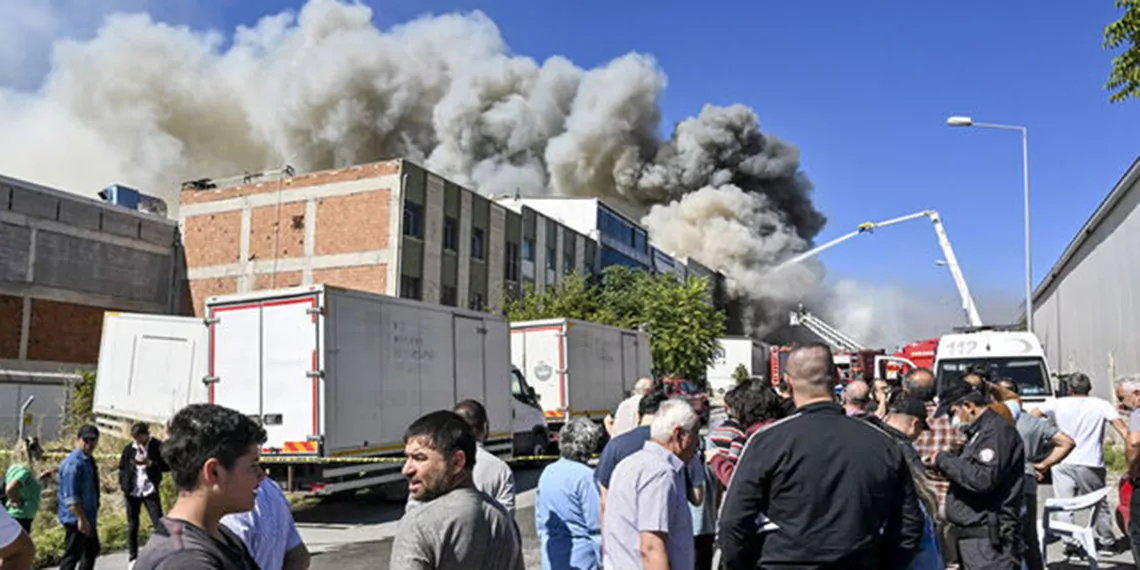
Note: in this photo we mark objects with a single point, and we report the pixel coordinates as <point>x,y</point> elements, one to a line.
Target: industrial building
<point>620,239</point>
<point>388,227</point>
<point>1086,309</point>
<point>64,261</point>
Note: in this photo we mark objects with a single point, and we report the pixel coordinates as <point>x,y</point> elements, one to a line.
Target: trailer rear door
<point>150,366</point>
<point>266,364</point>
<point>540,353</point>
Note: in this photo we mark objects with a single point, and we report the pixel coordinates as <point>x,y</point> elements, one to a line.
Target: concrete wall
<point>64,260</point>
<point>1086,315</point>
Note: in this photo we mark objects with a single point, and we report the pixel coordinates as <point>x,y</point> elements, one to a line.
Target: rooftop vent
<point>131,199</point>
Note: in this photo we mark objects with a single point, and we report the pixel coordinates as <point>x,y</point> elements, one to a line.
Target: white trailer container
<point>331,373</point>
<point>735,351</point>
<point>579,368</point>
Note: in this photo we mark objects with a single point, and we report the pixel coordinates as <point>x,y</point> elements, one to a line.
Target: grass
<point>1114,460</point>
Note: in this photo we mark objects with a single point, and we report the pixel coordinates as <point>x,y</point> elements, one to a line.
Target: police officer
<point>985,496</point>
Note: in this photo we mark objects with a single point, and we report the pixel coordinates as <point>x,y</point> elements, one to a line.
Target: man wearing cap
<point>79,502</point>
<point>986,480</point>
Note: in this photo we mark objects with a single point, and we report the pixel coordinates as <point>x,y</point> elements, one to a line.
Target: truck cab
<point>528,423</point>
<point>1016,355</point>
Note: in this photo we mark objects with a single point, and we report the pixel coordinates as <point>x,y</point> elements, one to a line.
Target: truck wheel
<point>539,443</point>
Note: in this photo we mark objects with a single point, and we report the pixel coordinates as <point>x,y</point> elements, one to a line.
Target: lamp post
<point>958,121</point>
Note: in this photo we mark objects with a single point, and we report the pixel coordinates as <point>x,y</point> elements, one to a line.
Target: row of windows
<point>411,288</point>
<point>621,231</point>
<point>414,227</point>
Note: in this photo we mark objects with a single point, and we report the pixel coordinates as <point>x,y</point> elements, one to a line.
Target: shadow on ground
<point>363,508</point>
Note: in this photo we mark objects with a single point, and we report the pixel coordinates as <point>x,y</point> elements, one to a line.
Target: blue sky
<point>864,88</point>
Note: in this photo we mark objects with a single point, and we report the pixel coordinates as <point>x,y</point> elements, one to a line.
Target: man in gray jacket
<point>456,527</point>
<point>491,475</point>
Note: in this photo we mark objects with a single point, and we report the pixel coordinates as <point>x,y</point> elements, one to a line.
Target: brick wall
<point>11,321</point>
<point>320,178</point>
<point>202,289</point>
<point>343,221</point>
<point>357,222</point>
<point>371,278</point>
<point>65,332</point>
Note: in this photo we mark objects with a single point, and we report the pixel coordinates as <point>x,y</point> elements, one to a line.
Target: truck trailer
<point>579,368</point>
<point>335,376</point>
<point>735,351</point>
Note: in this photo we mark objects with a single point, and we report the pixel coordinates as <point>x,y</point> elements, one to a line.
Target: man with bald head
<point>857,398</point>
<point>832,491</point>
<point>625,417</point>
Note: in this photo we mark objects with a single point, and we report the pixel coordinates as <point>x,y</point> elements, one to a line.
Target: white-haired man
<point>624,417</point>
<point>647,523</point>
<point>1128,398</point>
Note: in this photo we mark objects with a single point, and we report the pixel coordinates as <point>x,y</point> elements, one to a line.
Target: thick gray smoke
<point>150,104</point>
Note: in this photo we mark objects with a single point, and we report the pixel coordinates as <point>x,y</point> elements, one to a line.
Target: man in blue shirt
<point>79,502</point>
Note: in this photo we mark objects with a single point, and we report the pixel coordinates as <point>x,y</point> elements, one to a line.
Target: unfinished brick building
<point>388,227</point>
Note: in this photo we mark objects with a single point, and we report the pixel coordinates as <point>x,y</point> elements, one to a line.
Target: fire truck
<point>853,360</point>
<point>1007,353</point>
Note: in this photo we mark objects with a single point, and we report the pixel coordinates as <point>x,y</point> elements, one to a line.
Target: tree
<point>679,315</point>
<point>740,374</point>
<point>571,298</point>
<point>1124,80</point>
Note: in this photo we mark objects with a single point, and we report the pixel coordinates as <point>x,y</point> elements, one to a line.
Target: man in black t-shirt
<point>213,457</point>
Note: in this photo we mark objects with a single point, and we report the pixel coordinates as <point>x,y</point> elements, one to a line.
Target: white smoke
<point>150,104</point>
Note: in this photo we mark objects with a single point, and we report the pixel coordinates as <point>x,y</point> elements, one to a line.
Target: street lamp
<point>960,121</point>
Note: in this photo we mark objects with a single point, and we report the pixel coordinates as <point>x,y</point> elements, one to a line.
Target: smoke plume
<point>150,104</point>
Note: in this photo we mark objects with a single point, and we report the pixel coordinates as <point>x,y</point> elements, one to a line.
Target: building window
<point>590,257</point>
<point>511,269</point>
<point>410,287</point>
<point>528,249</point>
<point>413,220</point>
<point>551,257</point>
<point>569,253</point>
<point>450,234</point>
<point>477,243</point>
<point>475,303</point>
<point>449,296</point>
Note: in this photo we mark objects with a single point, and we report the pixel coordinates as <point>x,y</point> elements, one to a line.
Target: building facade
<point>1086,309</point>
<point>389,227</point>
<point>64,261</point>
<point>621,240</point>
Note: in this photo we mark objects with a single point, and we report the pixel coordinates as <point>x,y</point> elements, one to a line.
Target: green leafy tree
<point>678,314</point>
<point>740,374</point>
<point>571,298</point>
<point>1124,79</point>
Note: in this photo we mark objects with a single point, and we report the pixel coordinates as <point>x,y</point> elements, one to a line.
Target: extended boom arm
<point>968,304</point>
<point>828,333</point>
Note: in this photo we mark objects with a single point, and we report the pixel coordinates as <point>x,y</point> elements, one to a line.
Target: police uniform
<point>986,482</point>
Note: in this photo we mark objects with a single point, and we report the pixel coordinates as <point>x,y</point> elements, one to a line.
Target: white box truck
<point>734,351</point>
<point>332,374</point>
<point>579,368</point>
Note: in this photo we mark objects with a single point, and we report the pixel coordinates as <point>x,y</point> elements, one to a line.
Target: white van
<point>1016,355</point>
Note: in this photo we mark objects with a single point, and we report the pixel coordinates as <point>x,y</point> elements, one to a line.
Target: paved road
<point>357,534</point>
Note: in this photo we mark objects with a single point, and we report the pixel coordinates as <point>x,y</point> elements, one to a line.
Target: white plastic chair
<point>1047,527</point>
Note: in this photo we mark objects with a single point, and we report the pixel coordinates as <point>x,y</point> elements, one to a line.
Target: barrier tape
<point>304,459</point>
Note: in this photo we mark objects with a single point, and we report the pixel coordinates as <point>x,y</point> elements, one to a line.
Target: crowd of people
<point>890,476</point>
<point>227,514</point>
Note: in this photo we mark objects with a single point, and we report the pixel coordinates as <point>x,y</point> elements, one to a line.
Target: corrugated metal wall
<point>1088,318</point>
